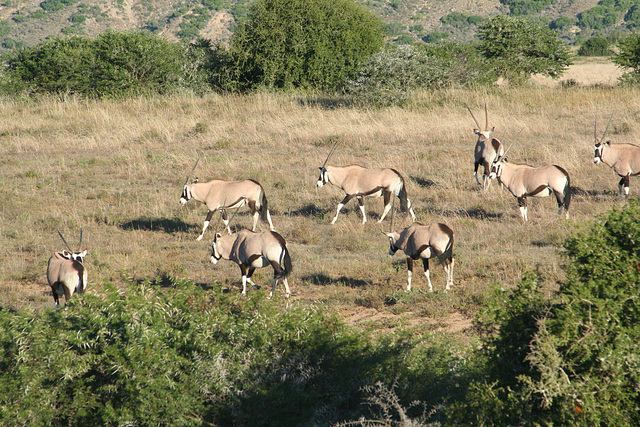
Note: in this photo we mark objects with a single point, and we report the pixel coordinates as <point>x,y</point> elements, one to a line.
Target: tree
<point>595,46</point>
<point>311,44</point>
<point>628,57</point>
<point>518,48</point>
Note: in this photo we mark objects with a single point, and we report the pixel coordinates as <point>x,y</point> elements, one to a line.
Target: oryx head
<point>483,135</point>
<point>393,238</point>
<point>215,255</point>
<point>600,144</point>
<point>324,175</point>
<point>71,254</point>
<point>186,190</point>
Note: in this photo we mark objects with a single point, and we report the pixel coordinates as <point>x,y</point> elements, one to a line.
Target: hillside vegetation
<point>24,23</point>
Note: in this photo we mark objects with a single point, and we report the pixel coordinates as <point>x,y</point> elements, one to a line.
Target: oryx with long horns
<point>66,272</point>
<point>252,250</point>
<point>527,181</point>
<point>419,241</point>
<point>486,150</point>
<point>359,182</point>
<point>220,195</point>
<point>623,158</point>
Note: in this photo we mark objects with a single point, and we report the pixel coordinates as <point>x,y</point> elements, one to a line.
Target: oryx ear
<point>608,142</point>
<point>83,253</point>
<point>389,235</point>
<point>506,159</point>
<point>217,236</point>
<point>476,131</point>
<point>194,180</point>
<point>66,254</point>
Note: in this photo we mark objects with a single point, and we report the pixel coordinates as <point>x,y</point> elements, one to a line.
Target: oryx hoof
<point>256,287</point>
<point>288,295</point>
<point>199,237</point>
<point>270,296</point>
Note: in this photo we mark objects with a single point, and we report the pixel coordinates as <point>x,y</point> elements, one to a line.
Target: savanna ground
<point>116,168</point>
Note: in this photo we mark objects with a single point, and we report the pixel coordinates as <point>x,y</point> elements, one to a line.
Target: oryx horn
<point>606,129</point>
<point>514,140</point>
<point>331,152</point>
<point>65,241</point>
<point>192,169</point>
<point>474,117</point>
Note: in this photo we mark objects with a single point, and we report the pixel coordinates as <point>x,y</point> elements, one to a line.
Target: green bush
<point>391,75</point>
<point>627,56</point>
<point>112,64</point>
<point>310,44</point>
<point>179,355</point>
<point>595,46</point>
<point>526,7</point>
<point>573,360</point>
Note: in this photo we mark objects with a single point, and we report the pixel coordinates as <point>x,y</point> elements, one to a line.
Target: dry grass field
<point>116,170</point>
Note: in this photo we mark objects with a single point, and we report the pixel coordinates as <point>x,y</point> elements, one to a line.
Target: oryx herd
<point>67,274</point>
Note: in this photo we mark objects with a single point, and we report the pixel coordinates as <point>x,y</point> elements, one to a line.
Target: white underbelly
<point>260,262</point>
<point>544,193</point>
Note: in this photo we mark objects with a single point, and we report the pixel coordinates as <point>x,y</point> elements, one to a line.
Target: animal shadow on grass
<point>473,213</point>
<point>323,280</point>
<point>422,182</point>
<point>167,281</point>
<point>309,210</point>
<point>163,224</point>
<point>592,194</point>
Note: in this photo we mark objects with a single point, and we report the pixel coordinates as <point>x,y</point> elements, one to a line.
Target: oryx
<point>221,195</point>
<point>527,181</point>
<point>66,273</point>
<point>487,148</point>
<point>425,241</point>
<point>623,158</point>
<point>252,250</point>
<point>359,182</point>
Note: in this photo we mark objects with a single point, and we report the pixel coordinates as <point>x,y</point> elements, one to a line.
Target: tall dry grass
<point>116,170</point>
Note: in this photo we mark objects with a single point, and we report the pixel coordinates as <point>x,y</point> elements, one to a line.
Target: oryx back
<point>422,241</point>
<point>66,275</point>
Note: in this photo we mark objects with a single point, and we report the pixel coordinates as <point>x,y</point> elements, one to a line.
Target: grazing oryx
<point>422,241</point>
<point>623,158</point>
<point>216,193</point>
<point>360,182</point>
<point>487,148</point>
<point>526,181</point>
<point>252,250</point>
<point>66,272</point>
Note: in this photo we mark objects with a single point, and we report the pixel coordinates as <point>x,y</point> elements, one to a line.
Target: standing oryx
<point>487,148</point>
<point>422,241</point>
<point>623,158</point>
<point>66,273</point>
<point>252,250</point>
<point>526,181</point>
<point>222,195</point>
<point>360,182</point>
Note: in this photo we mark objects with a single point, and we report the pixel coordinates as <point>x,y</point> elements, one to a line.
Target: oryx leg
<point>249,274</point>
<point>561,203</point>
<point>623,186</point>
<point>522,202</point>
<point>243,269</point>
<point>448,268</point>
<point>225,220</point>
<point>255,213</point>
<point>409,273</point>
<point>425,264</point>
<point>387,205</point>
<point>341,205</point>
<point>361,204</point>
<point>278,272</point>
<point>475,174</point>
<point>207,220</point>
<point>271,227</point>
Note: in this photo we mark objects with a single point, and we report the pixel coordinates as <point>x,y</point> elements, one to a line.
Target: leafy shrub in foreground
<point>185,356</point>
<point>573,360</point>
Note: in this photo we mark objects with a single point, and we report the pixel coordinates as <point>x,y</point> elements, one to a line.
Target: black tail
<point>286,262</point>
<point>566,192</point>
<point>263,206</point>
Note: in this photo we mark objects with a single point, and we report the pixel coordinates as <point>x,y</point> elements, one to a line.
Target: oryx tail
<point>402,194</point>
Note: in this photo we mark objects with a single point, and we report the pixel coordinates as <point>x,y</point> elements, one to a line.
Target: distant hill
<point>31,21</point>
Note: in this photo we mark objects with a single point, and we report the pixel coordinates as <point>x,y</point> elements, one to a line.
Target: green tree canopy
<point>313,44</point>
<point>627,56</point>
<point>518,48</point>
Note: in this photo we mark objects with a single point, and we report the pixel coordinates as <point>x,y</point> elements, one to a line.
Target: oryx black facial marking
<point>66,272</point>
<point>486,149</point>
